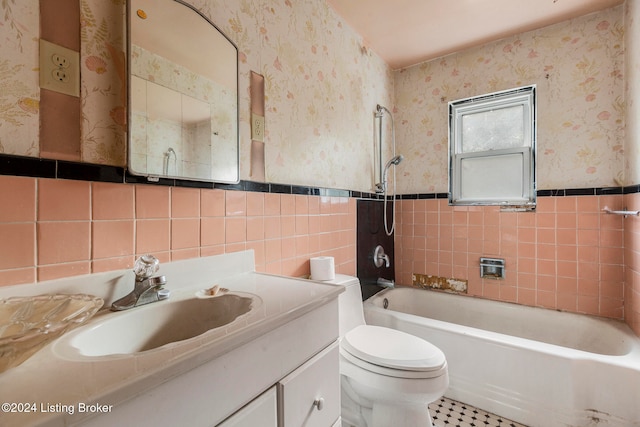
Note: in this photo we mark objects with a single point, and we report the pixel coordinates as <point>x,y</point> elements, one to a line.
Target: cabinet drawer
<point>262,411</point>
<point>310,395</point>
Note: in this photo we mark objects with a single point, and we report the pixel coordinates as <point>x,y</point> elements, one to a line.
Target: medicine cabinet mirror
<point>183,94</point>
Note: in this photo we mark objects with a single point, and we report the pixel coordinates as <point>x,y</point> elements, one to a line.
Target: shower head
<point>394,161</point>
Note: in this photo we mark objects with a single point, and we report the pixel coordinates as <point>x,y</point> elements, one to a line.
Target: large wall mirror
<point>183,94</point>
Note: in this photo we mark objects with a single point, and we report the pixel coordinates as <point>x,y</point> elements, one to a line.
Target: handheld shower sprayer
<point>394,161</point>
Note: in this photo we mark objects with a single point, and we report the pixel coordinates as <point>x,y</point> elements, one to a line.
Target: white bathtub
<point>535,366</point>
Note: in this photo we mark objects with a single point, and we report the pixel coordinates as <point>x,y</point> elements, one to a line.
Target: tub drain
<point>385,303</point>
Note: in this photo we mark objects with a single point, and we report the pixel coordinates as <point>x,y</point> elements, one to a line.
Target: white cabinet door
<point>310,395</point>
<point>262,411</point>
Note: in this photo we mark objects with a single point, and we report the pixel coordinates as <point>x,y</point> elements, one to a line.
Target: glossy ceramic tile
<point>185,233</point>
<point>153,235</point>
<point>63,241</point>
<point>112,201</point>
<point>64,200</point>
<point>212,203</point>
<point>552,253</point>
<point>17,245</point>
<point>18,197</point>
<point>255,204</point>
<point>112,239</point>
<point>152,201</point>
<point>185,202</point>
<point>93,226</point>
<point>236,203</point>
<point>448,413</point>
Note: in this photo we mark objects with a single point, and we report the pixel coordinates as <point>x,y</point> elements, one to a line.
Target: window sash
<point>493,187</point>
<point>477,176</point>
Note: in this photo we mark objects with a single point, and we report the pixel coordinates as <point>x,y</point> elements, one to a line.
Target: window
<point>492,149</point>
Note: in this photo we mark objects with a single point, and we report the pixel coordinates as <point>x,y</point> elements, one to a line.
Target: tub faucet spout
<point>147,288</point>
<point>385,283</point>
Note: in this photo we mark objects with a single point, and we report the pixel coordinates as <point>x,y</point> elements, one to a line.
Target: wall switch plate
<point>257,127</point>
<point>59,68</point>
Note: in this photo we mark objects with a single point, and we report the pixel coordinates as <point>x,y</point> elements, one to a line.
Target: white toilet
<point>388,377</point>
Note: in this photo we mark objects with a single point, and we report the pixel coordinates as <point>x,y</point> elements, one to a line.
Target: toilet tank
<point>349,303</point>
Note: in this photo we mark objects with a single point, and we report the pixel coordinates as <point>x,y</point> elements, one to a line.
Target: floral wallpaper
<point>632,147</point>
<point>322,86</point>
<point>103,88</point>
<point>632,92</point>
<point>19,78</point>
<point>578,68</point>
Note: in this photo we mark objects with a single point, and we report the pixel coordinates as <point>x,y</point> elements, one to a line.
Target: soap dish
<point>214,291</point>
<point>27,324</point>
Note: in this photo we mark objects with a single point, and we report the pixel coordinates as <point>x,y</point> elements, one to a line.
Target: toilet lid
<point>393,349</point>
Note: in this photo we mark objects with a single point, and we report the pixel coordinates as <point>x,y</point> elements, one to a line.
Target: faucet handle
<point>146,266</point>
<point>380,258</point>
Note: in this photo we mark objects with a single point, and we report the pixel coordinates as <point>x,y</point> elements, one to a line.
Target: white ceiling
<point>407,32</point>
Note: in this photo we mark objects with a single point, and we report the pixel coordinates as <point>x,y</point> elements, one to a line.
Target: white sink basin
<point>152,326</point>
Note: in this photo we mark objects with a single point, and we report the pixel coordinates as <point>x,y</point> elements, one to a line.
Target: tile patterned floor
<point>448,413</point>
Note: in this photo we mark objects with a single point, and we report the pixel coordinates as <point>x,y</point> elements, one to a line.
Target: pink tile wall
<point>566,255</point>
<point>632,260</point>
<point>58,228</point>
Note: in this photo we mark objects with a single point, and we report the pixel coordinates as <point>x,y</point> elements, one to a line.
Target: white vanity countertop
<point>51,379</point>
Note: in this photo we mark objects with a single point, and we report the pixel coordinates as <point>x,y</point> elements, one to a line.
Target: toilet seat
<point>392,353</point>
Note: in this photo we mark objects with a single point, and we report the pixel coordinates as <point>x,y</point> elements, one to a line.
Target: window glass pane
<point>493,129</point>
<point>492,177</point>
<point>492,149</point>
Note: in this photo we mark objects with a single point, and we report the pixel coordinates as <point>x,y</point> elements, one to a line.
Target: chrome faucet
<point>147,289</point>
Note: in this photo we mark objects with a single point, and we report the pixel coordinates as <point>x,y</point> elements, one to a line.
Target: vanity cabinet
<point>308,396</point>
<point>274,366</point>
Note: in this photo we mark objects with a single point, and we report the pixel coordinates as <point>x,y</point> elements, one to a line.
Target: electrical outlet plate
<point>59,68</point>
<point>257,127</point>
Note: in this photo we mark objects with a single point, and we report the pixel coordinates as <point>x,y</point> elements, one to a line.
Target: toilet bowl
<point>388,377</point>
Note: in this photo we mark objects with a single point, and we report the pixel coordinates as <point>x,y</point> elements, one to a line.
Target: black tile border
<point>27,166</point>
<point>89,172</point>
<point>595,191</point>
<point>62,169</point>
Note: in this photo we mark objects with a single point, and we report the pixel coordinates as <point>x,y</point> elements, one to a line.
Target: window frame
<point>524,96</point>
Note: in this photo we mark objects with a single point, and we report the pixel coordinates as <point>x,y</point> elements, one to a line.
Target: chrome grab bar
<point>622,212</point>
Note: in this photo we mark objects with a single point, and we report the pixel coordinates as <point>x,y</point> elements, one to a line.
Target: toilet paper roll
<point>323,268</point>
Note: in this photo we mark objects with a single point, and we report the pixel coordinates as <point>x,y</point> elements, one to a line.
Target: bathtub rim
<point>627,359</point>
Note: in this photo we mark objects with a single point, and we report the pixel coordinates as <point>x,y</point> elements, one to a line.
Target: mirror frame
<point>152,177</point>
